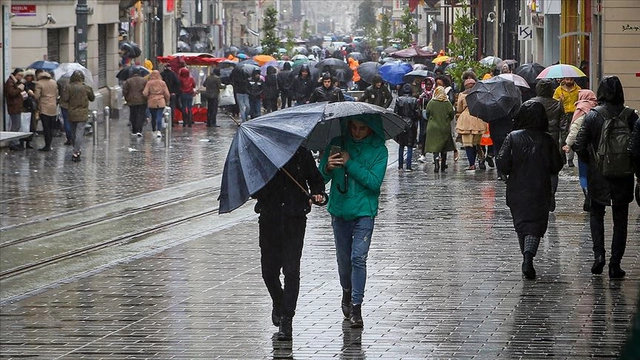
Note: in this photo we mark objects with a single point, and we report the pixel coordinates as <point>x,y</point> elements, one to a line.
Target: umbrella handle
<point>325,197</point>
<point>346,185</point>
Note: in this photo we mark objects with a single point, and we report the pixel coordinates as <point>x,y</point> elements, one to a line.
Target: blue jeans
<point>186,101</point>
<point>243,104</point>
<point>156,118</point>
<point>67,124</point>
<point>352,239</point>
<point>255,107</point>
<point>401,156</point>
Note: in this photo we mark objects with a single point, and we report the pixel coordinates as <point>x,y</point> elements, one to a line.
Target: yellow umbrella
<point>263,59</point>
<point>440,59</point>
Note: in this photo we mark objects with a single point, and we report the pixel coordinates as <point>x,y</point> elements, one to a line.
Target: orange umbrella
<point>440,59</point>
<point>263,59</point>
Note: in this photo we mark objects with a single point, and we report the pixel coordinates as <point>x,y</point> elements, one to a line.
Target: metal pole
<point>94,116</point>
<point>82,14</point>
<point>106,122</point>
<point>167,128</point>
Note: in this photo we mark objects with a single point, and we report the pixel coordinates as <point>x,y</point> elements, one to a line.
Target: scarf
<point>586,101</point>
<point>439,94</point>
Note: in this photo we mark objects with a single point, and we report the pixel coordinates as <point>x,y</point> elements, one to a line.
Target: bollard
<point>106,114</point>
<point>93,119</point>
<point>167,126</point>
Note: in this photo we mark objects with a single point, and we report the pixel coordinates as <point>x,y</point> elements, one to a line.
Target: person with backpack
<point>603,141</point>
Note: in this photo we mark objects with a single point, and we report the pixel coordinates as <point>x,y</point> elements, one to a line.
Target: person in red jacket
<point>187,86</point>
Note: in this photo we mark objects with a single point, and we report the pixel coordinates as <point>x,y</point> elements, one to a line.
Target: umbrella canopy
<point>44,65</point>
<point>263,59</point>
<point>516,79</point>
<point>411,52</point>
<point>490,61</point>
<point>264,145</point>
<point>529,72</point>
<point>387,59</point>
<point>560,71</point>
<point>343,75</point>
<point>249,68</point>
<point>301,50</point>
<point>300,57</point>
<point>131,49</point>
<point>368,69</point>
<point>441,59</point>
<point>390,50</point>
<point>507,62</point>
<point>493,98</point>
<point>332,63</point>
<point>421,74</point>
<point>356,56</point>
<point>249,62</point>
<point>65,70</point>
<point>420,67</point>
<point>263,68</point>
<point>393,72</point>
<point>126,72</point>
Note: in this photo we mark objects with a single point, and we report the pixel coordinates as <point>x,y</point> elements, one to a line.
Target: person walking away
<point>213,85</point>
<point>187,91</point>
<point>377,93</point>
<point>356,169</point>
<point>77,95</point>
<point>327,92</point>
<point>470,127</point>
<point>604,191</point>
<point>427,85</point>
<point>303,85</point>
<point>555,113</point>
<point>240,82</point>
<point>567,94</point>
<point>173,84</point>
<point>439,140</point>
<point>586,101</point>
<point>62,83</point>
<point>158,96</point>
<point>15,95</point>
<point>529,156</point>
<point>271,91</point>
<point>283,209</point>
<point>132,92</point>
<point>255,90</point>
<point>285,83</point>
<point>406,106</point>
<point>46,94</point>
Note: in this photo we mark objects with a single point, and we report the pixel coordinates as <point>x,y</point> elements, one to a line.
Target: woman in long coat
<point>439,139</point>
<point>470,127</point>
<point>529,156</point>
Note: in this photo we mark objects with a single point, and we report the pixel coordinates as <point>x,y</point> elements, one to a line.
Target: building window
<point>53,45</point>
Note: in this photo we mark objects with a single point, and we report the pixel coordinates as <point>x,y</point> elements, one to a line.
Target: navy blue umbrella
<point>264,145</point>
<point>44,65</point>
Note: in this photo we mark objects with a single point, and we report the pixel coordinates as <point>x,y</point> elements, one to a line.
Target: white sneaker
<point>422,159</point>
<point>139,134</point>
<point>158,133</point>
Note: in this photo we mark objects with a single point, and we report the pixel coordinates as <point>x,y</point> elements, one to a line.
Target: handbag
<point>25,122</point>
<point>226,96</point>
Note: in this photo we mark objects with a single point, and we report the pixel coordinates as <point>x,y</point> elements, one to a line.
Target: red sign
<point>23,10</point>
<point>170,6</point>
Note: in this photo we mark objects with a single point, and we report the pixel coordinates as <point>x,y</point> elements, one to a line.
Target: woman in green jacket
<point>77,96</point>
<point>439,139</point>
<point>356,164</point>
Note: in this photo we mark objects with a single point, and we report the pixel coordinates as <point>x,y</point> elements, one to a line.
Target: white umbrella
<point>67,69</point>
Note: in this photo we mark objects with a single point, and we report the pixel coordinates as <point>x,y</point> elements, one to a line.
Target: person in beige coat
<point>157,94</point>
<point>47,96</point>
<point>470,127</point>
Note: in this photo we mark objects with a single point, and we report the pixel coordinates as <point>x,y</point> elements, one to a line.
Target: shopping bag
<point>226,96</point>
<point>197,99</point>
<point>25,122</point>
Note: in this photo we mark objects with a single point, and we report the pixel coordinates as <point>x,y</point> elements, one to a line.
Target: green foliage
<point>385,30</point>
<point>290,43</point>
<point>366,18</point>
<point>306,34</point>
<point>270,42</point>
<point>408,29</point>
<point>463,48</point>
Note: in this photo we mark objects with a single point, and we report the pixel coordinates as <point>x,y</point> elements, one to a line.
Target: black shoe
<point>46,148</point>
<point>615,272</point>
<point>75,157</point>
<point>552,205</point>
<point>27,145</point>
<point>490,161</point>
<point>528,270</point>
<point>356,316</point>
<point>285,331</point>
<point>275,316</point>
<point>586,206</point>
<point>214,125</point>
<point>482,166</point>
<point>436,169</point>
<point>346,304</point>
<point>16,147</point>
<point>598,265</point>
<point>68,142</point>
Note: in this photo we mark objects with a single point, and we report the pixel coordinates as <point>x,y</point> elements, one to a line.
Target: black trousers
<point>620,220</point>
<point>281,241</point>
<point>286,99</point>
<point>48,123</point>
<point>137,114</point>
<point>212,111</point>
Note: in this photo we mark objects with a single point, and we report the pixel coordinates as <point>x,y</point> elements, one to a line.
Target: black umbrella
<point>368,70</point>
<point>332,63</point>
<point>411,76</point>
<point>343,75</point>
<point>262,146</point>
<point>356,56</point>
<point>529,71</point>
<point>249,68</point>
<point>132,49</point>
<point>493,98</point>
<point>126,72</point>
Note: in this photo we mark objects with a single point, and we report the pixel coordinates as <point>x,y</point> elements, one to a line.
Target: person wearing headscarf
<point>586,101</point>
<point>529,156</point>
<point>439,140</point>
<point>604,191</point>
<point>470,127</point>
<point>406,106</point>
<point>77,96</point>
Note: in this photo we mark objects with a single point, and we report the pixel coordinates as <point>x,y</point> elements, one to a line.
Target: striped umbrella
<point>560,71</point>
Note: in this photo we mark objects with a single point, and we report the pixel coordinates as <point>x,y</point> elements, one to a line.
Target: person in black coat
<point>326,92</point>
<point>377,93</point>
<point>173,84</point>
<point>614,192</point>
<point>634,148</point>
<point>283,209</point>
<point>529,156</point>
<point>270,90</point>
<point>303,85</point>
<point>285,83</point>
<point>407,107</point>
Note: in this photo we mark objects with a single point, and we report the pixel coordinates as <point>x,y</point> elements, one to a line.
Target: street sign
<point>525,32</point>
<point>23,10</point>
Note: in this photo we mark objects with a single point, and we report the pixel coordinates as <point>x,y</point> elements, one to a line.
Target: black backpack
<point>612,156</point>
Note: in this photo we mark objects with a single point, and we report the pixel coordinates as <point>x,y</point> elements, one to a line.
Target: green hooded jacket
<point>365,171</point>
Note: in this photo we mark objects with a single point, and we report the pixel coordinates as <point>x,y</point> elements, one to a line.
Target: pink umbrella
<point>560,71</point>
